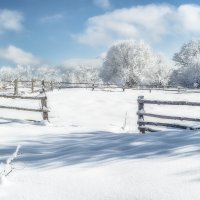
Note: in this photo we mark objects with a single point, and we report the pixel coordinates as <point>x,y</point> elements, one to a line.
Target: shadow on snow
<point>101,147</point>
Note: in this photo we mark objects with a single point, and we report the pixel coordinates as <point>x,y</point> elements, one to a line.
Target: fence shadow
<point>101,147</point>
<point>6,120</point>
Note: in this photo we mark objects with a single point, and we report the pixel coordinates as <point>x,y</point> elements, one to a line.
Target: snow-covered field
<point>88,152</point>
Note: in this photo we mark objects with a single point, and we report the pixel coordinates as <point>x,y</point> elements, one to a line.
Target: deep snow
<point>85,152</point>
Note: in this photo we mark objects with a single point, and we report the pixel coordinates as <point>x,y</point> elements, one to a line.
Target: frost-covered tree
<point>159,73</point>
<point>85,74</point>
<point>80,74</point>
<point>46,73</point>
<point>24,72</point>
<point>188,76</point>
<point>129,62</point>
<point>84,70</point>
<point>189,53</point>
<point>64,74</point>
<point>188,60</point>
<point>7,73</point>
<point>124,62</point>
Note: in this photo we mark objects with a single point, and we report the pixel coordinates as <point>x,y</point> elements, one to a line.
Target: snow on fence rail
<point>43,98</point>
<point>141,114</point>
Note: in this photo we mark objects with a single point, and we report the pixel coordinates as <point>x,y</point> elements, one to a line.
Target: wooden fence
<point>34,85</point>
<point>41,85</point>
<point>143,125</point>
<point>17,85</point>
<point>44,110</point>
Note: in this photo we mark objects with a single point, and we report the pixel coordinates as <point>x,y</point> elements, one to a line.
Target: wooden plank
<point>96,87</point>
<point>74,86</point>
<point>174,90</point>
<point>111,87</point>
<point>20,97</point>
<point>67,83</point>
<point>146,88</point>
<point>184,103</point>
<point>171,117</point>
<point>143,123</point>
<point>148,129</point>
<point>22,81</point>
<point>7,81</point>
<point>24,109</point>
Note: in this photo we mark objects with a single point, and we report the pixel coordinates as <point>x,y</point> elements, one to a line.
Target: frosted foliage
<point>129,62</point>
<point>159,73</point>
<point>188,60</point>
<point>189,53</point>
<point>78,74</point>
<point>188,76</point>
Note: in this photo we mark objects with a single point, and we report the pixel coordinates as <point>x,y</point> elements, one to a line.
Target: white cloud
<point>102,3</point>
<point>150,22</point>
<point>52,18</point>
<point>18,56</point>
<point>189,16</point>
<point>10,20</point>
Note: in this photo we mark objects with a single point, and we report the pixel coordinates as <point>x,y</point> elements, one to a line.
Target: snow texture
<point>84,153</point>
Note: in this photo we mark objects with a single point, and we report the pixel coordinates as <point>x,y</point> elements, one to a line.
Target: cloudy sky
<point>58,31</point>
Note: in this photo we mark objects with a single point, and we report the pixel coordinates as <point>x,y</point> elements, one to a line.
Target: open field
<point>91,148</point>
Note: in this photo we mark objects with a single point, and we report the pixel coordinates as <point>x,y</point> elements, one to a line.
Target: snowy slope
<point>84,153</point>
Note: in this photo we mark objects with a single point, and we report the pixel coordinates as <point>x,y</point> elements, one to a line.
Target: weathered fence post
<point>93,87</point>
<point>140,114</point>
<point>51,85</point>
<point>179,89</point>
<point>32,85</point>
<point>16,87</point>
<point>44,108</point>
<point>43,86</point>
<point>123,88</point>
<point>44,102</point>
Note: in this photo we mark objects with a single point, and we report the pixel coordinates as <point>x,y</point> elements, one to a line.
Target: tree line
<point>126,62</point>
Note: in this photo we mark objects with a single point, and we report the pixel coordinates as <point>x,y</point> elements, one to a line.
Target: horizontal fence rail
<point>24,109</point>
<point>183,103</point>
<point>21,97</point>
<point>171,117</point>
<point>143,124</point>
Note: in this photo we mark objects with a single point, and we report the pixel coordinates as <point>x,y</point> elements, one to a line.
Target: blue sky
<point>53,31</point>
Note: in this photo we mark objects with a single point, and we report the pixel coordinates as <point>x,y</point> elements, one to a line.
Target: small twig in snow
<point>8,168</point>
